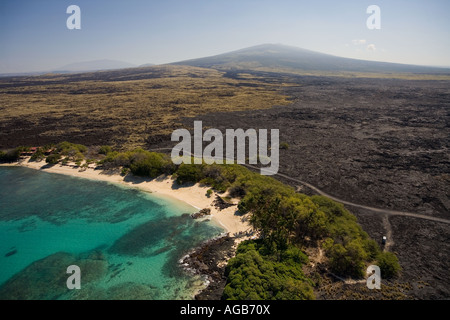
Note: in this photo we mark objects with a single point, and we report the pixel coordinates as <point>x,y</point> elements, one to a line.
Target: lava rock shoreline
<point>209,260</point>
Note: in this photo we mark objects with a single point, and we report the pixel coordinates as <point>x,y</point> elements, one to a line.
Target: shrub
<point>124,171</point>
<point>115,159</point>
<point>10,156</point>
<point>209,192</point>
<point>105,150</point>
<point>120,159</point>
<point>53,158</point>
<point>284,145</point>
<point>38,155</point>
<point>73,152</point>
<point>148,164</point>
<point>69,149</point>
<point>348,259</point>
<point>189,173</point>
<point>389,265</point>
<point>237,191</point>
<point>215,176</point>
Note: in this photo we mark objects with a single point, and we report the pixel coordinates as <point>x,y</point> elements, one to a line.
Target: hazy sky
<point>34,36</point>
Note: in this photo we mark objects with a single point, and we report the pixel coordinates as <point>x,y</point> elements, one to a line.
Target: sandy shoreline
<point>208,260</point>
<point>193,195</point>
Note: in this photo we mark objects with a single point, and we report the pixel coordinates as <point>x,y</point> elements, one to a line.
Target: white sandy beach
<point>193,195</point>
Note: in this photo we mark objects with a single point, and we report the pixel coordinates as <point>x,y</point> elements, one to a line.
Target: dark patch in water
<point>27,226</point>
<point>173,235</point>
<point>115,274</point>
<point>163,233</point>
<point>10,253</point>
<point>45,279</point>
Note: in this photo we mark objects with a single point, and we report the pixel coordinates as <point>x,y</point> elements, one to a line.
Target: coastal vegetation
<point>63,152</point>
<point>257,274</point>
<point>10,156</point>
<point>287,222</point>
<point>39,155</point>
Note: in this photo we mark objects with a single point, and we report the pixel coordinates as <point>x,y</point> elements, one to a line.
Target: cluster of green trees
<point>256,273</point>
<point>65,152</point>
<point>286,218</point>
<point>140,162</point>
<point>151,164</point>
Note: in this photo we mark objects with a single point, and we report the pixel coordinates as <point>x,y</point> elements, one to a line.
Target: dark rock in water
<point>201,213</point>
<point>11,253</point>
<point>140,240</point>
<point>96,255</point>
<point>210,260</point>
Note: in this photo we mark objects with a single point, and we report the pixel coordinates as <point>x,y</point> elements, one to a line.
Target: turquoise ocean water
<point>126,242</point>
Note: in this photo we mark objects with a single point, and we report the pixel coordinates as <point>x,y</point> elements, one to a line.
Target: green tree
<point>38,155</point>
<point>53,158</point>
<point>147,164</point>
<point>311,222</point>
<point>389,265</point>
<point>189,173</point>
<point>347,260</point>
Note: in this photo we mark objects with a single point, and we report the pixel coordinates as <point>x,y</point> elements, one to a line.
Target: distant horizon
<point>66,68</point>
<point>34,35</point>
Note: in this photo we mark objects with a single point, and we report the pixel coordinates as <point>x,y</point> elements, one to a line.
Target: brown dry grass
<point>127,105</point>
<point>339,74</point>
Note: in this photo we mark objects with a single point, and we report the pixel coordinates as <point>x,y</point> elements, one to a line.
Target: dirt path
<point>376,210</point>
<point>372,209</point>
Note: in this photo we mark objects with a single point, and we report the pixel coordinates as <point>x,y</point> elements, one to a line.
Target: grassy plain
<point>122,108</point>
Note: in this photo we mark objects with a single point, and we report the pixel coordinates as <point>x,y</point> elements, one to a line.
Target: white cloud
<point>359,41</point>
<point>371,47</point>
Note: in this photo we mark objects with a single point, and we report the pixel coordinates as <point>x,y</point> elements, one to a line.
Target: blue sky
<point>34,36</point>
